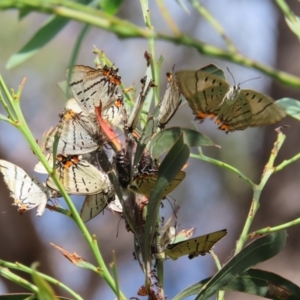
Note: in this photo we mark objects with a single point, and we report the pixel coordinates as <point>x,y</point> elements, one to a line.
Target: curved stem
<point>267,172</point>
<point>21,124</point>
<point>23,268</point>
<point>125,29</point>
<point>221,164</point>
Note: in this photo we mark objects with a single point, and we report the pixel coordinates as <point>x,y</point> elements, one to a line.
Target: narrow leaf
<point>256,282</point>
<point>165,139</point>
<point>294,24</point>
<point>45,291</point>
<point>111,6</point>
<point>170,167</point>
<point>44,35</point>
<point>259,250</point>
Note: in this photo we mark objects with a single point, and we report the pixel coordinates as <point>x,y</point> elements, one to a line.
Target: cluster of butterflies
<point>87,126</point>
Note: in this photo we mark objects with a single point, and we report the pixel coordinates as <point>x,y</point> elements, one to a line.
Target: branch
<point>125,29</point>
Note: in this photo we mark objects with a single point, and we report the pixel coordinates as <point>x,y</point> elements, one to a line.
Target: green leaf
<point>291,107</point>
<point>23,12</point>
<point>111,6</point>
<point>169,168</point>
<point>165,139</point>
<point>265,284</point>
<point>254,253</point>
<point>44,35</point>
<point>294,24</point>
<point>256,282</point>
<point>45,291</point>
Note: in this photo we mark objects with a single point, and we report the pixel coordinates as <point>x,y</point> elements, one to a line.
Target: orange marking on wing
<point>75,158</point>
<point>202,115</point>
<point>218,121</point>
<point>69,114</point>
<point>119,103</point>
<point>224,127</point>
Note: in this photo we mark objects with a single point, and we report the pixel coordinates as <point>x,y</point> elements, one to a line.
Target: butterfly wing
<point>114,114</point>
<point>144,183</point>
<point>94,204</point>
<point>78,75</point>
<point>193,247</point>
<point>264,110</point>
<point>100,86</point>
<point>203,91</point>
<point>77,135</point>
<point>170,102</point>
<point>78,176</point>
<point>234,114</point>
<point>28,192</point>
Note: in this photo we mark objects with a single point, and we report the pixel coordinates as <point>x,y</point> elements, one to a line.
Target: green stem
<point>125,29</point>
<point>268,171</point>
<point>22,126</point>
<point>221,164</point>
<point>221,293</point>
<point>154,68</point>
<point>21,267</point>
<point>286,10</point>
<point>267,230</point>
<point>18,280</point>
<point>287,162</point>
<point>215,24</point>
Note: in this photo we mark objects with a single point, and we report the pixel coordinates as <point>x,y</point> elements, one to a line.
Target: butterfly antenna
<point>231,75</point>
<point>250,79</point>
<point>118,227</point>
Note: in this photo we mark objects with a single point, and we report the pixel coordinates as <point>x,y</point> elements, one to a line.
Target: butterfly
<point>78,176</point>
<point>90,87</point>
<point>210,95</point>
<point>78,134</point>
<point>94,204</point>
<point>27,191</point>
<point>196,246</point>
<point>170,102</point>
<point>143,183</point>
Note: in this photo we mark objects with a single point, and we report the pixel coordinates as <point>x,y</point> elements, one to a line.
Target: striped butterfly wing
<point>94,204</point>
<point>170,102</point>
<point>234,113</point>
<point>114,114</point>
<point>90,87</point>
<point>203,91</point>
<point>78,75</point>
<point>100,86</point>
<point>193,247</point>
<point>77,135</point>
<point>28,192</point>
<point>264,110</point>
<point>78,176</point>
<point>144,183</point>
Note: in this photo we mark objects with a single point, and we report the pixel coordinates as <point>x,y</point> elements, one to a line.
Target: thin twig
<point>268,171</point>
